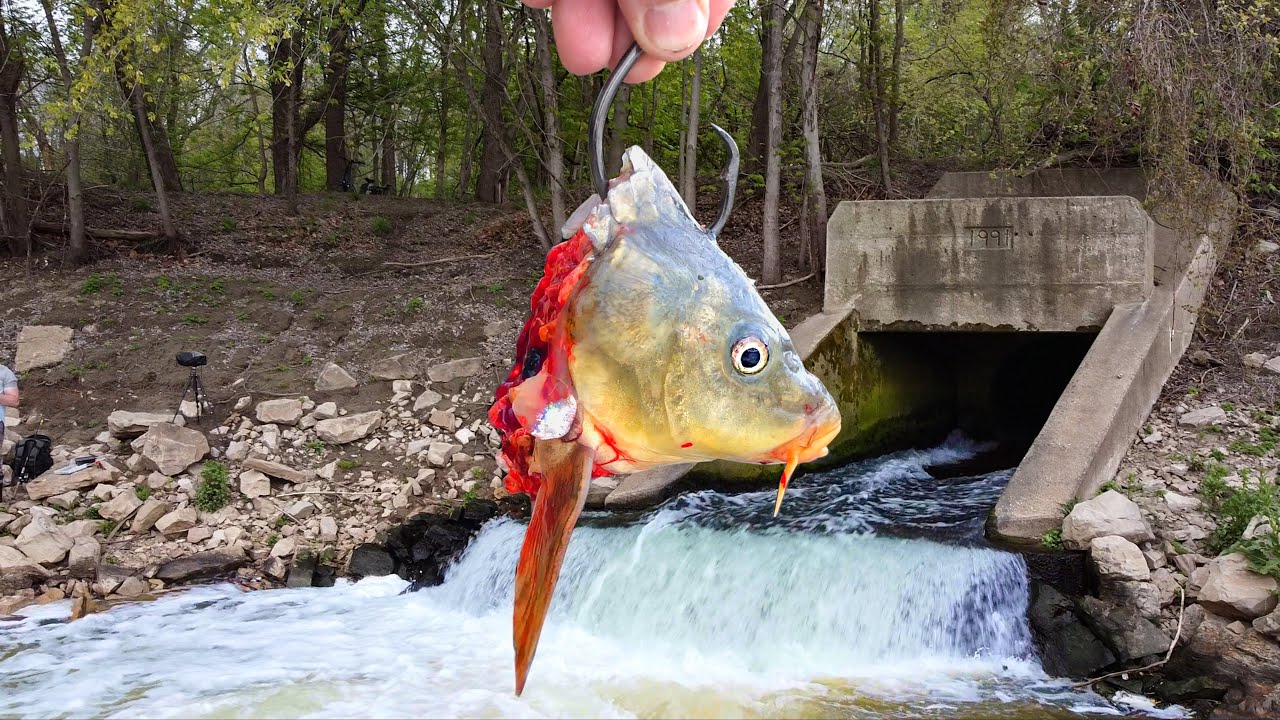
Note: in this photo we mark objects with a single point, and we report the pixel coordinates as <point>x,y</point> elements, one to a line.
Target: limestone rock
<point>302,509</point>
<point>199,534</point>
<point>275,567</point>
<point>276,470</point>
<point>64,501</point>
<point>1203,417</point>
<point>1273,365</point>
<point>12,558</point>
<point>1111,513</point>
<point>126,425</point>
<point>18,576</point>
<point>51,484</point>
<point>1071,648</point>
<point>207,564</point>
<point>1180,503</point>
<point>147,516</point>
<point>284,547</point>
<point>396,367</point>
<point>324,411</point>
<point>171,449</point>
<point>1254,360</point>
<point>1118,559</point>
<point>302,570</point>
<point>82,561</point>
<point>342,430</point>
<point>281,411</point>
<point>442,419</point>
<point>42,541</point>
<point>370,560</point>
<point>334,378</point>
<point>132,587</point>
<point>237,450</point>
<point>177,522</point>
<point>1234,591</point>
<point>1269,625</point>
<point>42,346</point>
<point>254,484</point>
<point>328,529</point>
<point>454,369</point>
<point>427,399</point>
<point>81,528</point>
<point>119,507</point>
<point>1129,635</point>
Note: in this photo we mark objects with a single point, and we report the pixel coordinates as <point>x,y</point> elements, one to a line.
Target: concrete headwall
<point>1048,264</point>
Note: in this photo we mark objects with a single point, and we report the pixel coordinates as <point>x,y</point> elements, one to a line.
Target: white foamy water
<point>700,609</point>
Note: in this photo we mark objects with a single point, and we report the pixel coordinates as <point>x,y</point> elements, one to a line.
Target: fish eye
<point>750,355</point>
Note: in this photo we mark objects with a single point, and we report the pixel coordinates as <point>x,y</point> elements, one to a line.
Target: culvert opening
<point>992,386</point>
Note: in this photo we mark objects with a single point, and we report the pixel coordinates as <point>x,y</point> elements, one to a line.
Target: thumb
<point>669,30</point>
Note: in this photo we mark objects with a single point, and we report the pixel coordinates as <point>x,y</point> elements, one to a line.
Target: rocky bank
<point>284,490</point>
<point>1182,546</point>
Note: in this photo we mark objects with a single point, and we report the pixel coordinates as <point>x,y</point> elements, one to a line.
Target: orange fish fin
<point>566,476</point>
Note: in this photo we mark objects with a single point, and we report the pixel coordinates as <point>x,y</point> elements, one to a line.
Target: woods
<point>468,101</point>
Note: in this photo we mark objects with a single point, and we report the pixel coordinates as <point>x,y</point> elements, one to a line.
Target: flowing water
<point>872,596</point>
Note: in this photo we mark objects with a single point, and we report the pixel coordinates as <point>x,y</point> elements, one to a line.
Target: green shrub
<point>143,492</point>
<point>1234,508</point>
<point>1052,539</point>
<point>213,492</point>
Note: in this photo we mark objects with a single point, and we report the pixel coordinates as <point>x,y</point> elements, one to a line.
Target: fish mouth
<point>810,444</point>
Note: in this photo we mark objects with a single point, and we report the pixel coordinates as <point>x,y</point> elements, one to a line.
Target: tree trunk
<point>689,177</point>
<point>264,157</point>
<point>618,138</point>
<point>895,88</point>
<point>509,156</point>
<point>389,154</point>
<point>139,105</point>
<point>876,40</point>
<point>550,119</point>
<point>814,225</point>
<point>468,156</point>
<point>442,142</point>
<point>149,131</point>
<point>684,112</point>
<point>335,109</point>
<point>76,245</point>
<point>492,180</point>
<point>773,15</point>
<point>758,137</point>
<point>16,220</point>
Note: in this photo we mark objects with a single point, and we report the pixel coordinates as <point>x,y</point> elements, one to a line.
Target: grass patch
<point>213,493</point>
<point>345,464</point>
<point>143,492</point>
<point>381,226</point>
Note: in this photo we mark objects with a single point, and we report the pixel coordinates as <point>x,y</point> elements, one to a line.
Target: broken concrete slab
<point>42,346</point>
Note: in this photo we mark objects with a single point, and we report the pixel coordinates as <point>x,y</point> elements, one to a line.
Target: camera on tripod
<point>195,386</point>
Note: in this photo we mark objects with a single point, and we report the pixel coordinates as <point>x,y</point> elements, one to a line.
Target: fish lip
<point>808,445</point>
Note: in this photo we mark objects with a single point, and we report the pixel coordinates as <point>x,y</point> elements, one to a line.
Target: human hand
<point>593,34</point>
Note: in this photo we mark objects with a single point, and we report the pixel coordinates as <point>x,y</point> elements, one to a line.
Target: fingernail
<point>676,25</point>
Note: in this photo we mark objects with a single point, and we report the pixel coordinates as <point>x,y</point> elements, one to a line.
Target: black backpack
<point>32,458</point>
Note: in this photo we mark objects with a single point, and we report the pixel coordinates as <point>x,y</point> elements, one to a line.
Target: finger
<point>719,9</point>
<point>583,31</point>
<point>646,68</point>
<point>669,30</point>
<point>538,4</point>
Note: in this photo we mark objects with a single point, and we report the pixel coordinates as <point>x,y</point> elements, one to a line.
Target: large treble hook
<point>595,142</point>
